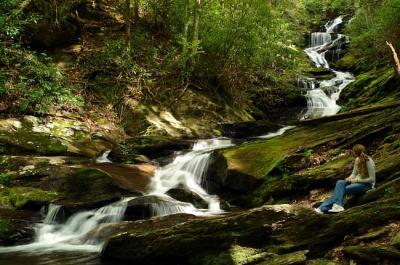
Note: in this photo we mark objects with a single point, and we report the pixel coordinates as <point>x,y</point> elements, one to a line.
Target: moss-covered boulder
<point>25,197</point>
<point>378,85</point>
<point>53,136</point>
<point>278,229</point>
<point>312,155</point>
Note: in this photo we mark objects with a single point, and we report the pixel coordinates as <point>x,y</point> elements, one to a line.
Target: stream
<point>75,241</point>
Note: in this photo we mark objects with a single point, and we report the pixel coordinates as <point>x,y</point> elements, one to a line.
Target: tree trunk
<point>128,23</point>
<point>186,19</point>
<point>196,21</point>
<point>395,59</point>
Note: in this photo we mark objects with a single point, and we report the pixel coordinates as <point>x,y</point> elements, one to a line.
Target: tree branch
<point>395,59</point>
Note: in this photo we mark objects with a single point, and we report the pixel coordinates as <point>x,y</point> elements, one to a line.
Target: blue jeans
<point>342,188</point>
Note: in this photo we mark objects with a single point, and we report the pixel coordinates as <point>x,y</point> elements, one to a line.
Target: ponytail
<point>361,151</point>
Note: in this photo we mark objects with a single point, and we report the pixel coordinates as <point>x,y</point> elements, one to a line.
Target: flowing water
<point>76,242</point>
<point>322,96</point>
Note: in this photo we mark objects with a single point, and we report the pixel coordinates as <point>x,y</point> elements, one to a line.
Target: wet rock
<point>84,184</point>
<point>185,195</point>
<point>147,206</point>
<point>150,146</point>
<point>15,226</point>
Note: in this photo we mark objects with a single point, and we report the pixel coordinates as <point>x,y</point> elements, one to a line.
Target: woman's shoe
<point>318,210</point>
<point>336,208</point>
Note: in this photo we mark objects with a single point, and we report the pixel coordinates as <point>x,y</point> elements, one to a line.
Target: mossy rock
<point>25,197</point>
<point>273,167</point>
<point>347,62</point>
<point>377,85</point>
<point>84,184</point>
<point>373,254</point>
<point>15,226</point>
<point>51,136</point>
<point>278,229</point>
<point>150,146</point>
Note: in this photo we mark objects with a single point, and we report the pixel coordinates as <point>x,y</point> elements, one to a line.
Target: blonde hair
<point>360,151</point>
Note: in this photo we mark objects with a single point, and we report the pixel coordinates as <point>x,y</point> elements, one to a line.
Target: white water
<point>322,96</point>
<point>274,134</point>
<point>104,158</point>
<point>187,170</point>
<point>76,234</point>
<point>79,232</point>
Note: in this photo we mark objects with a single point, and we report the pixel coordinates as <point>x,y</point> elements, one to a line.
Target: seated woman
<point>359,182</point>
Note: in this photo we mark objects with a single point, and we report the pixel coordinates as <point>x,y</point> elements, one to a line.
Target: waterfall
<point>52,214</point>
<point>81,232</point>
<point>188,170</point>
<point>77,232</point>
<point>322,95</point>
<point>104,157</point>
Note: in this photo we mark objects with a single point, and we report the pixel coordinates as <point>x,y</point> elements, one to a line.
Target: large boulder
<point>312,155</point>
<point>270,230</point>
<point>55,136</point>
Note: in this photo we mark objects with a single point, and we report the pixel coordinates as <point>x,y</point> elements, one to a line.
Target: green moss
<point>6,227</point>
<point>347,62</point>
<point>33,141</point>
<point>19,196</point>
<point>377,85</point>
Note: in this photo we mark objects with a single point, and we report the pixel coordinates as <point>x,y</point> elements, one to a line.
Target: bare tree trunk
<point>186,18</point>
<point>196,21</point>
<point>395,59</point>
<point>128,17</point>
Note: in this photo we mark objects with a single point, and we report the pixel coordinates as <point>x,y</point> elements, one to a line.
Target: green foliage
<point>375,22</point>
<point>5,178</point>
<point>29,81</point>
<point>32,83</point>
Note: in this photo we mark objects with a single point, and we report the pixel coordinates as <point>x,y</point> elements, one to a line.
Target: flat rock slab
<point>135,178</point>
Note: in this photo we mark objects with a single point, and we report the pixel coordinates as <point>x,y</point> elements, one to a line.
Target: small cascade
<point>322,95</point>
<point>188,170</point>
<point>52,214</point>
<point>76,234</point>
<point>279,132</point>
<point>104,158</point>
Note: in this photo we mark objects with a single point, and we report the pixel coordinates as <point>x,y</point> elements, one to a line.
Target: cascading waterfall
<point>322,95</point>
<point>79,233</point>
<point>187,170</point>
<point>76,234</point>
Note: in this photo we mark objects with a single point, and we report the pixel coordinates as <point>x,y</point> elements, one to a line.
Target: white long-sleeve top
<point>370,169</point>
